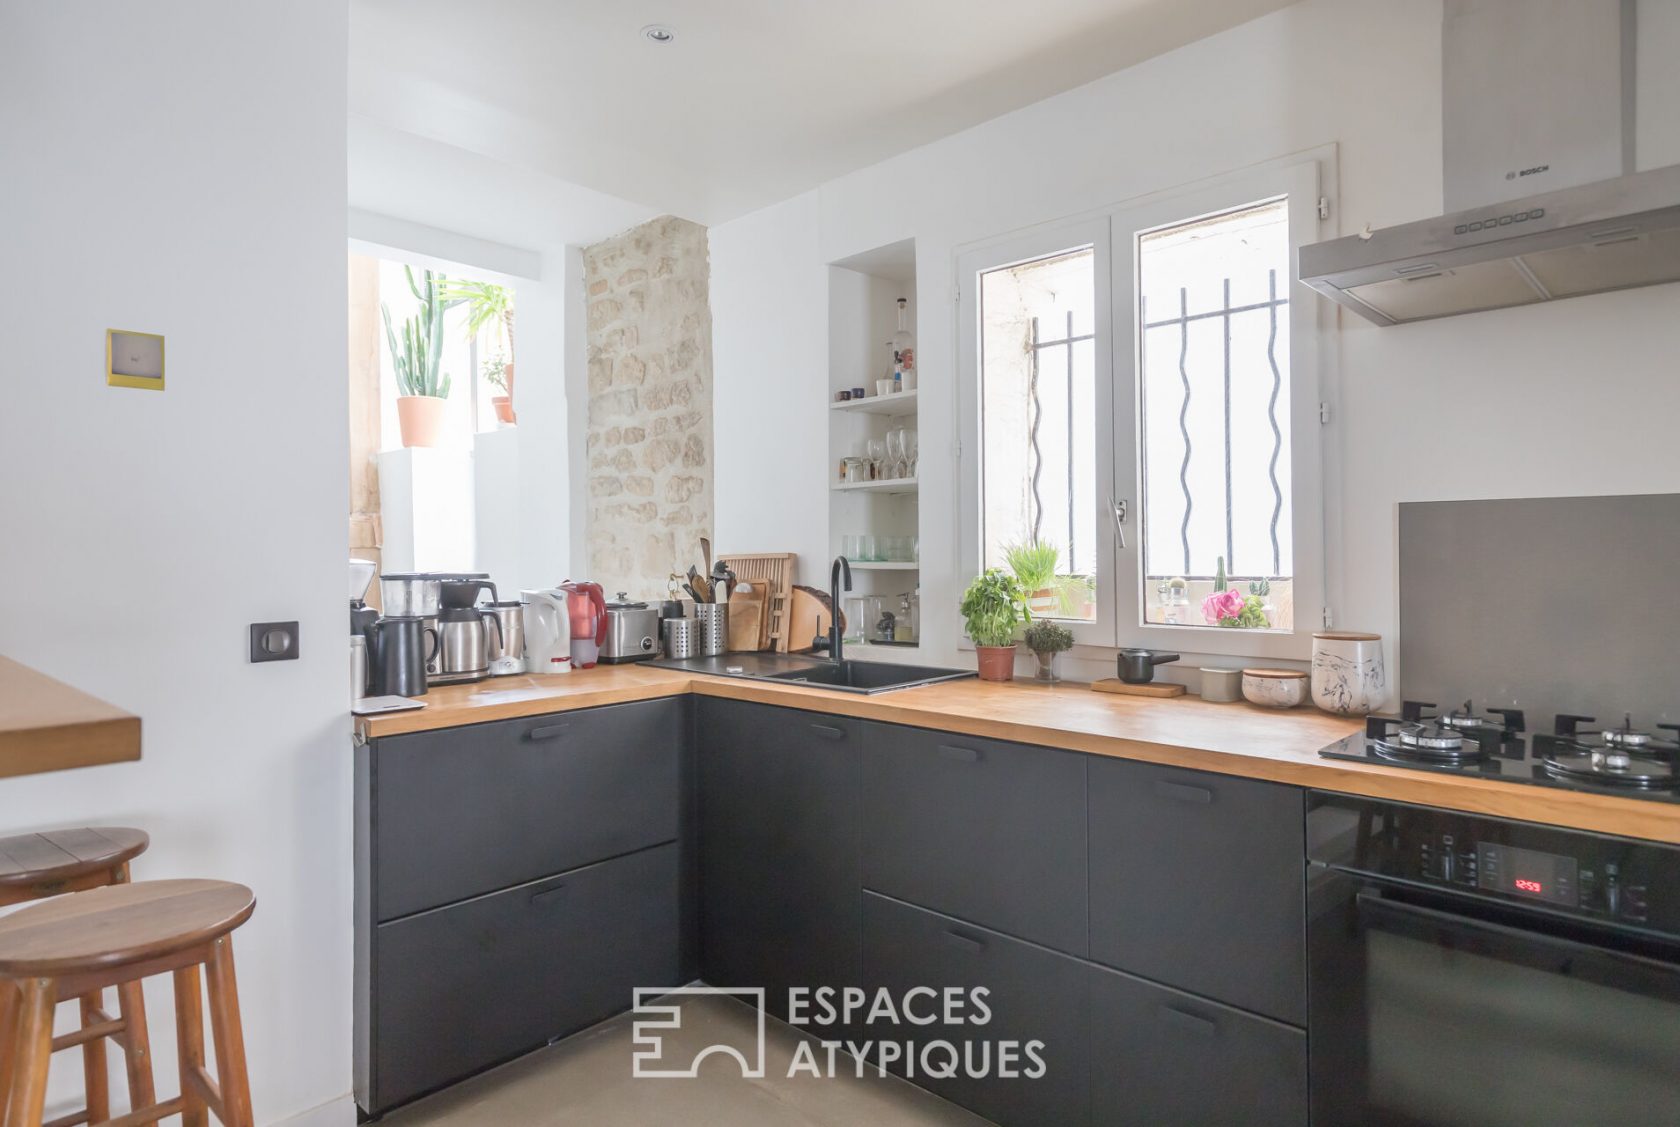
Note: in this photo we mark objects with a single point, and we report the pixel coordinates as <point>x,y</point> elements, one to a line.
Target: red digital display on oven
<point>1527,885</point>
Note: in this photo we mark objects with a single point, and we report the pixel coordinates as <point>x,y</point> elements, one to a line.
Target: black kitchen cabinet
<point>460,988</point>
<point>463,811</point>
<point>778,846</point>
<point>515,881</point>
<point>1198,881</point>
<point>1032,995</point>
<point>984,830</point>
<point>1160,1056</point>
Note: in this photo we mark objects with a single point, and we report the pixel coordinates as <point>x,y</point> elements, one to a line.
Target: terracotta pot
<point>997,663</point>
<point>504,408</point>
<point>420,418</point>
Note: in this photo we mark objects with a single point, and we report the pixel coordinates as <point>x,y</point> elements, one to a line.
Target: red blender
<point>586,605</point>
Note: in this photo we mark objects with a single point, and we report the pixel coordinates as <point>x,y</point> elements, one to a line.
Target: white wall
<point>1571,397</point>
<point>178,167</point>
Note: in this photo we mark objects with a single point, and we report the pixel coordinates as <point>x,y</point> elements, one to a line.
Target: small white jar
<point>1348,677</point>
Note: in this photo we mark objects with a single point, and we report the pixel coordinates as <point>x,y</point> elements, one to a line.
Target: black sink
<point>845,676</point>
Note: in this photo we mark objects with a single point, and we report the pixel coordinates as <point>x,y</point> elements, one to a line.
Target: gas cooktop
<point>1579,753</point>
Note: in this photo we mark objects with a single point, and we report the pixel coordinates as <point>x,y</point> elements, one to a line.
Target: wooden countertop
<point>1230,739</point>
<point>45,725</point>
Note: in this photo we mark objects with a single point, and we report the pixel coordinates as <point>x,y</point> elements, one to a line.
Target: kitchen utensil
<point>632,631</point>
<point>775,571</point>
<point>410,594</point>
<point>706,553</point>
<point>1347,672</point>
<point>747,617</point>
<point>714,627</point>
<point>399,648</point>
<point>682,637</point>
<point>723,582</point>
<point>548,632</point>
<point>588,609</point>
<point>507,644</point>
<point>698,586</point>
<point>1123,688</point>
<point>358,667</point>
<point>1137,666</point>
<point>1221,685</point>
<point>1274,688</point>
<point>465,639</point>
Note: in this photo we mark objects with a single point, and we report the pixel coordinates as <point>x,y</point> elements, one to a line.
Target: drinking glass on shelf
<point>897,463</point>
<point>877,458</point>
<point>850,546</point>
<point>910,451</point>
<point>867,549</point>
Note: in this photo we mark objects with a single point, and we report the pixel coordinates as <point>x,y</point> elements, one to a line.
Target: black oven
<point>1475,972</point>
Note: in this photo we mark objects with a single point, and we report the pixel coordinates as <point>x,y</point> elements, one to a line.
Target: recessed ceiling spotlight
<point>658,33</point>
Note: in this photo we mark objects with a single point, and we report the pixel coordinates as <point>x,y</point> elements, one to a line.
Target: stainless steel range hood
<point>1538,94</point>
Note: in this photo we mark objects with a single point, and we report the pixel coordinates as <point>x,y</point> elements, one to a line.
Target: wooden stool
<point>74,945</point>
<point>35,866</point>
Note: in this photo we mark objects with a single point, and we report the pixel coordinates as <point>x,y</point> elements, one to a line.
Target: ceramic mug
<point>1347,672</point>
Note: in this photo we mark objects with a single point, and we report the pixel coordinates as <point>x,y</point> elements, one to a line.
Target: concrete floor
<point>586,1079</point>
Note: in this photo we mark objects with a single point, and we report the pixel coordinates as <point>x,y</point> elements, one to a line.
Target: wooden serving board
<point>1153,689</point>
<point>748,612</point>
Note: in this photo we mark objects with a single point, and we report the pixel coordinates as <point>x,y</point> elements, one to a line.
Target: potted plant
<point>490,304</point>
<point>992,607</point>
<point>1046,640</point>
<point>416,354</point>
<point>498,373</point>
<point>1034,564</point>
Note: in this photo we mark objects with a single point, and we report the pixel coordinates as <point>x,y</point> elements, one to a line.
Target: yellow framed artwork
<point>133,359</point>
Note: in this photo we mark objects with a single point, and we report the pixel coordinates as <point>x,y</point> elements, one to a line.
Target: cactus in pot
<point>417,357</point>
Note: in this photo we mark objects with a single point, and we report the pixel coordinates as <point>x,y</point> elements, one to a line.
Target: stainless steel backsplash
<point>1557,604</point>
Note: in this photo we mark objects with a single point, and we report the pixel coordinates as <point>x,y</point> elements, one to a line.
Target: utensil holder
<point>682,637</point>
<point>714,627</point>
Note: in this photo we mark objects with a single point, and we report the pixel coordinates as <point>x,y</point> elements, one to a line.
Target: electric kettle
<point>548,631</point>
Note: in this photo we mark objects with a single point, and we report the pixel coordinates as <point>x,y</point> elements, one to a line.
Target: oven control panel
<point>1614,880</point>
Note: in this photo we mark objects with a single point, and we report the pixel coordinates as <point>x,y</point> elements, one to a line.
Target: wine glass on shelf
<point>896,460</point>
<point>908,438</point>
<point>877,458</point>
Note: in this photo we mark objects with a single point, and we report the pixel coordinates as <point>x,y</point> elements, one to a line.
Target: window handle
<point>1119,520</point>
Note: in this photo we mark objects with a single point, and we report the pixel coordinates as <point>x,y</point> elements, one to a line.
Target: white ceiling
<point>755,101</point>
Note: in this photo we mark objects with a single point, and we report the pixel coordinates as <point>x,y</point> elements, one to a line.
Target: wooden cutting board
<point>1153,689</point>
<point>808,617</point>
<point>748,604</point>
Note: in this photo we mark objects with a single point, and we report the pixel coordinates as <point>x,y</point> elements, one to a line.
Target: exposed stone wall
<point>649,437</point>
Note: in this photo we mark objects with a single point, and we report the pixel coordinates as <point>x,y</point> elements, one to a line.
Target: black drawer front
<point>987,831</point>
<point>779,882</point>
<point>1033,995</point>
<point>1162,1057</point>
<point>466,811</point>
<point>464,987</point>
<point>1199,881</point>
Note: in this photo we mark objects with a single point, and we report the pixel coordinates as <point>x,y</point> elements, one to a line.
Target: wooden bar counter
<point>1231,739</point>
<point>45,725</point>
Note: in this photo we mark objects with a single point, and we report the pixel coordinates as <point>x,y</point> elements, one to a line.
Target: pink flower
<point>1222,604</point>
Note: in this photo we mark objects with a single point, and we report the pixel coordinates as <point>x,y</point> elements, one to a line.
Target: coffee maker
<point>465,630</point>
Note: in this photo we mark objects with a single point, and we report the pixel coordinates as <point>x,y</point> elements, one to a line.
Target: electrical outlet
<point>274,641</point>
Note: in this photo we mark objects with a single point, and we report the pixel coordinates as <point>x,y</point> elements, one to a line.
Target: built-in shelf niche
<point>863,293</point>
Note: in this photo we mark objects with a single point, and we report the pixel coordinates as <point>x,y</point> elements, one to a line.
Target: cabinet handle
<point>961,754</point>
<point>966,942</point>
<point>1200,795</point>
<point>1189,1022</point>
<point>543,894</point>
<point>829,732</point>
<point>552,732</point>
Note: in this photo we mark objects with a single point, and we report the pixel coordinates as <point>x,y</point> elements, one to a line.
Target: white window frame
<point>1114,231</point>
<point>1039,242</point>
